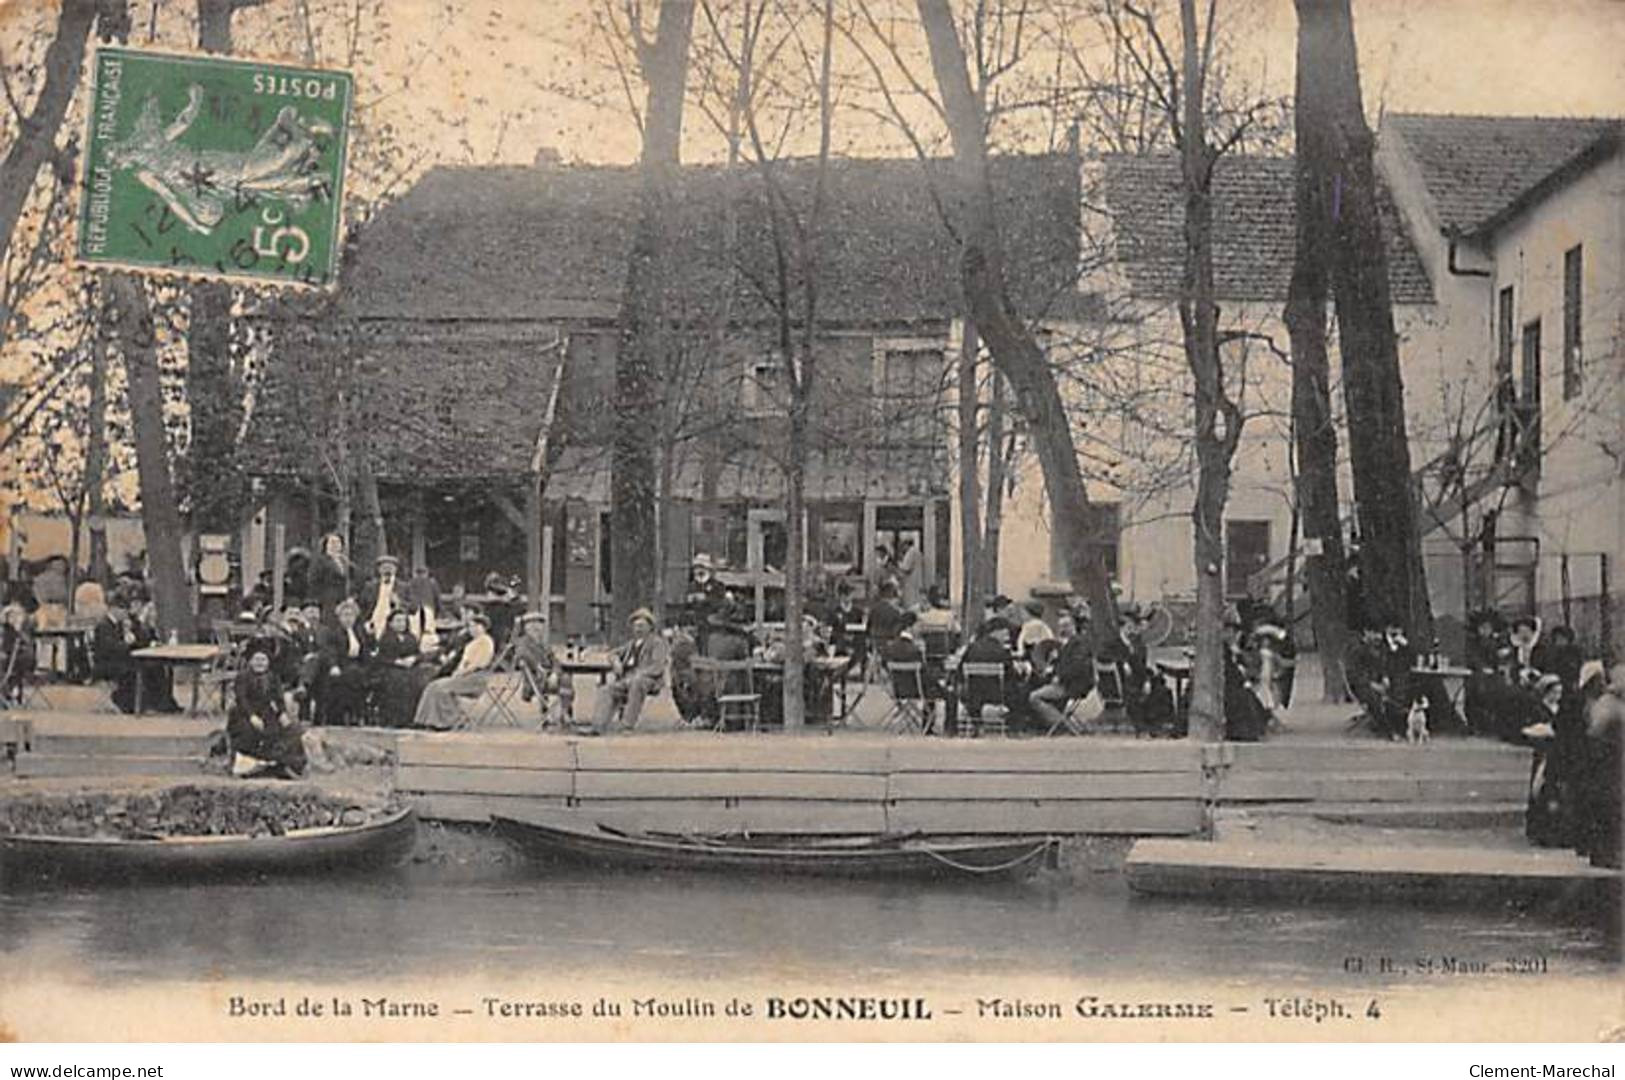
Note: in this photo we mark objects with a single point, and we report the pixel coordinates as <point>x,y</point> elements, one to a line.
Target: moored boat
<point>382,842</point>
<point>892,855</point>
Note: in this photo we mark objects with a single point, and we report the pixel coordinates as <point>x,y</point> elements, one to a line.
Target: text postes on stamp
<point>204,165</point>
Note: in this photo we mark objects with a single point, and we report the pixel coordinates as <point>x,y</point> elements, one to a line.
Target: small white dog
<point>1416,723</point>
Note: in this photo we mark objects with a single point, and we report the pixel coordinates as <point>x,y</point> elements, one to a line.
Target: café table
<point>1454,679</point>
<point>196,658</point>
<point>599,664</point>
<point>1180,672</point>
<point>831,668</point>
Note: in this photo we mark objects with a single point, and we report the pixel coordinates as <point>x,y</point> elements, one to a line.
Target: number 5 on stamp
<point>199,165</point>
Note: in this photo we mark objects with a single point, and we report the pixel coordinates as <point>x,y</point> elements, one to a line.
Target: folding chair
<point>24,685</point>
<point>977,680</point>
<point>1109,681</point>
<point>504,680</point>
<point>907,712</point>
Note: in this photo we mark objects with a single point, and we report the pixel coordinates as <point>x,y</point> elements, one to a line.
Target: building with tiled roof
<point>463,286</point>
<point>1521,223</point>
<point>1134,383</point>
<point>1478,170</point>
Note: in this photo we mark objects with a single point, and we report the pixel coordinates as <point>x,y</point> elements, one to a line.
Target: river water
<point>425,922</point>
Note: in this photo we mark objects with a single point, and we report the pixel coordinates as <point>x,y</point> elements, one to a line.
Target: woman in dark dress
<point>328,579</point>
<point>265,740</point>
<point>343,646</point>
<point>1245,717</point>
<point>394,688</point>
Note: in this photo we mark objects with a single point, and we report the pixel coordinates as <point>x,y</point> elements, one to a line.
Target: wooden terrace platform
<point>1295,873</point>
<point>854,783</point>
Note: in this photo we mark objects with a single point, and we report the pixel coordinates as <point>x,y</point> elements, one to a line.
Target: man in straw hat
<point>639,670</point>
<point>382,594</point>
<point>535,656</point>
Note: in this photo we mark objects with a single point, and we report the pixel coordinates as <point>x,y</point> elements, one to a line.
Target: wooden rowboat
<point>376,844</point>
<point>596,844</point>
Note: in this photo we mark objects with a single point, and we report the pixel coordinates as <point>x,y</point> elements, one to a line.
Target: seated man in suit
<point>535,658</point>
<point>110,645</point>
<point>1071,677</point>
<point>639,671</point>
<point>1146,697</point>
<point>991,645</point>
<point>885,617</point>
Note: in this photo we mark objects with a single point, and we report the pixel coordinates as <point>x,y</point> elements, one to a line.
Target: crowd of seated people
<point>387,652</point>
<point>1048,664</point>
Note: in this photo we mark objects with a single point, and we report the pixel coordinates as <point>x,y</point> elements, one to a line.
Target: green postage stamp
<point>202,165</point>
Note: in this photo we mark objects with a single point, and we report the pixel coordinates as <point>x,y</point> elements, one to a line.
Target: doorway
<point>767,547</point>
<point>1246,552</point>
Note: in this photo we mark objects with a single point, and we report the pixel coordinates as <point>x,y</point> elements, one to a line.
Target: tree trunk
<point>344,475</point>
<point>160,516</point>
<point>36,140</point>
<point>1015,352</point>
<point>1314,430</point>
<point>801,393</point>
<point>96,458</point>
<point>665,479</point>
<point>214,23</point>
<point>1379,450</point>
<point>213,475</point>
<point>994,524</point>
<point>371,539</point>
<point>643,327</point>
<point>970,497</point>
<point>795,559</point>
<point>1198,316</point>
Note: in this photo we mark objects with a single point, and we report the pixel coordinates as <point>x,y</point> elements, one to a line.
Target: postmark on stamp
<point>200,165</point>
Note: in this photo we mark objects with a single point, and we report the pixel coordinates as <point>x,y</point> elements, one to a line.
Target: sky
<point>495,61</point>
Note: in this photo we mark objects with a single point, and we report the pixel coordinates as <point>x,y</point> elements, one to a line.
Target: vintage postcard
<point>812,520</point>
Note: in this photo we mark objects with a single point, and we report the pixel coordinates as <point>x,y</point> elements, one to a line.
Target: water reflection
<point>416,923</point>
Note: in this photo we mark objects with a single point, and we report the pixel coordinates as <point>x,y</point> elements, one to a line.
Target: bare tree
<point>1009,340</point>
<point>36,141</point>
<point>1314,429</point>
<point>1379,448</point>
<point>160,511</point>
<point>663,63</point>
<point>212,470</point>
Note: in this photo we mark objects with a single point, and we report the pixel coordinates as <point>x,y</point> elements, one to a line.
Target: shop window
<point>763,392</point>
<point>1246,552</point>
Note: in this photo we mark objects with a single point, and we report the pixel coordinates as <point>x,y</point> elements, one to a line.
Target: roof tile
<point>1254,227</point>
<point>1478,168</point>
